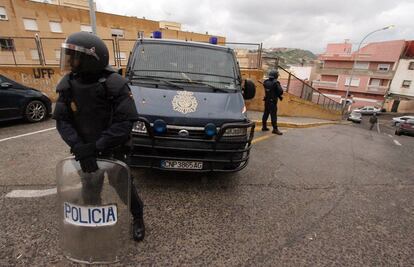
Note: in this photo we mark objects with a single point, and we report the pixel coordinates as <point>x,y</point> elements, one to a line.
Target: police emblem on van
<point>89,216</point>
<point>184,102</point>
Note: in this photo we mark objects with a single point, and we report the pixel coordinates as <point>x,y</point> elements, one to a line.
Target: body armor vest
<point>91,109</point>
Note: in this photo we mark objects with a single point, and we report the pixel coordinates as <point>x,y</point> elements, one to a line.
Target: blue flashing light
<point>157,35</point>
<point>160,126</point>
<point>213,40</point>
<point>210,129</point>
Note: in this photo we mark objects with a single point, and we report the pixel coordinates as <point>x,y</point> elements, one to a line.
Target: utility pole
<point>92,16</point>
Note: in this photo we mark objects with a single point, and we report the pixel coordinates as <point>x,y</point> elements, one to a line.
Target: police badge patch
<point>184,102</point>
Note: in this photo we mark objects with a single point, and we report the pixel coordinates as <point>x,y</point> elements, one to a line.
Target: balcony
<point>342,71</point>
<point>376,89</point>
<point>325,84</point>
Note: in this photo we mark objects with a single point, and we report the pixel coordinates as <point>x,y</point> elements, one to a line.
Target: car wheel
<point>35,111</point>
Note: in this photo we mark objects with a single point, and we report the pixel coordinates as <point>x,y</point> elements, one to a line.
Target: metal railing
<point>45,51</point>
<point>303,89</point>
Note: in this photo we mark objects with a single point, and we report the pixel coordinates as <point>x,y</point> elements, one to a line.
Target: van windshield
<point>186,64</point>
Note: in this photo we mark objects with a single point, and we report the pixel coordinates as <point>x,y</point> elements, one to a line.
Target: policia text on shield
<point>94,115</point>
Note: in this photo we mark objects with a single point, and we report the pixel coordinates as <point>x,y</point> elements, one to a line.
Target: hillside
<point>289,56</point>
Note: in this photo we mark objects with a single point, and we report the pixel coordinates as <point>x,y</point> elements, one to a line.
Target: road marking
<point>31,193</point>
<point>390,136</point>
<point>261,138</point>
<point>397,143</point>
<point>27,134</point>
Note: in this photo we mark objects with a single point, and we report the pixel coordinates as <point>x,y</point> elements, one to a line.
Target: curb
<point>302,125</point>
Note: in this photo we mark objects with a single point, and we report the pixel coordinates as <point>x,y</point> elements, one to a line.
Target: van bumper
<point>217,154</point>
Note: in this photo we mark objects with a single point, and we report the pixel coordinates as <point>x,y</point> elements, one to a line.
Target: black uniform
<point>273,92</point>
<point>99,110</point>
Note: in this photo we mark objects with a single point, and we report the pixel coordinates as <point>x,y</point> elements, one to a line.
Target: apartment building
<point>373,68</point>
<point>401,94</point>
<point>31,32</point>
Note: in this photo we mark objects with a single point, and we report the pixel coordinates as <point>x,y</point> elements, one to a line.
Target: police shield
<point>93,209</point>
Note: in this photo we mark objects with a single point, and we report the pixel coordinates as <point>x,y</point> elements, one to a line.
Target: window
<point>35,54</point>
<point>117,33</point>
<point>361,65</point>
<point>375,82</point>
<point>355,81</point>
<point>55,26</point>
<point>30,24</point>
<point>383,67</point>
<point>7,44</point>
<point>86,28</point>
<point>3,13</point>
<point>122,56</point>
<point>411,66</point>
<point>57,54</point>
<point>140,34</point>
<point>406,84</point>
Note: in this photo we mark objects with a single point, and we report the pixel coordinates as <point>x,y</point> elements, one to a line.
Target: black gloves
<point>86,155</point>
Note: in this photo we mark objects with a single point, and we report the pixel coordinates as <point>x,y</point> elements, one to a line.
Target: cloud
<point>307,24</point>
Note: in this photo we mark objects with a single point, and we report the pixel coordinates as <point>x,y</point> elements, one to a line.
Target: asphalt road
<point>332,195</point>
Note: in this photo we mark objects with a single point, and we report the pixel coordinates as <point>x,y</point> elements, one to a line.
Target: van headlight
<point>139,127</point>
<point>235,132</point>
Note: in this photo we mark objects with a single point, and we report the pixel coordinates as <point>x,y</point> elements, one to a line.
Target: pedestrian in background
<point>373,120</point>
<point>273,92</point>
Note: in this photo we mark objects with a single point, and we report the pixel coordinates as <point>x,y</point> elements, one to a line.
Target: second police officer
<point>95,110</point>
<point>273,92</point>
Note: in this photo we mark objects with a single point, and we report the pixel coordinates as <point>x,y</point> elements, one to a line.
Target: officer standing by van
<point>273,92</point>
<point>95,110</point>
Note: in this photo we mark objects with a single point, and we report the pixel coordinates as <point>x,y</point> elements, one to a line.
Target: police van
<point>190,98</point>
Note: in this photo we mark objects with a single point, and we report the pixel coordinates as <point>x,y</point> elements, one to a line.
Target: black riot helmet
<point>273,74</point>
<point>84,52</point>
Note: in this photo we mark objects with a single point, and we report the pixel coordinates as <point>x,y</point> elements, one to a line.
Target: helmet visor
<point>71,56</point>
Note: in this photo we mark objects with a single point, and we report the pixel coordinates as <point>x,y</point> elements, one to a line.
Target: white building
<point>402,86</point>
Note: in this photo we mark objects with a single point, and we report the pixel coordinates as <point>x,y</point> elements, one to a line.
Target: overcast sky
<point>306,24</point>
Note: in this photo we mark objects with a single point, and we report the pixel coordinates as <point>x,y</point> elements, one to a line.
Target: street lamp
<point>355,61</point>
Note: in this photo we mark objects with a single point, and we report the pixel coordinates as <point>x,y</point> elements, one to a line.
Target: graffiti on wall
<point>44,79</point>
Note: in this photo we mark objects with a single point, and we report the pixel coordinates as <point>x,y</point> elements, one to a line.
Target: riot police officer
<point>95,110</point>
<point>273,92</point>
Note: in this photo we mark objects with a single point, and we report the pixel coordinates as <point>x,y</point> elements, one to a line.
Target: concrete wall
<point>290,106</point>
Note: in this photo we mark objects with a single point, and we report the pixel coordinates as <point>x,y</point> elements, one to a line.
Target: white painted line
<point>41,193</point>
<point>390,136</point>
<point>31,193</point>
<point>27,134</point>
<point>397,143</point>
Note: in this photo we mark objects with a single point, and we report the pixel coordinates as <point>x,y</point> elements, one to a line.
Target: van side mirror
<point>6,85</point>
<point>249,89</point>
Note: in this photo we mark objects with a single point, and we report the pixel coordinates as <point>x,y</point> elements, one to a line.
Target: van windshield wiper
<point>155,79</point>
<point>215,88</point>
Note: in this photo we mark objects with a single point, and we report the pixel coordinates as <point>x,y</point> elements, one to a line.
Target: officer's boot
<point>138,228</point>
<point>276,131</point>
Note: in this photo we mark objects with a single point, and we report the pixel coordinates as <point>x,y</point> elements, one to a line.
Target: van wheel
<point>35,111</point>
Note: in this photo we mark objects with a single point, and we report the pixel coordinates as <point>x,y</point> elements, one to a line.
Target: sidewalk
<point>290,122</point>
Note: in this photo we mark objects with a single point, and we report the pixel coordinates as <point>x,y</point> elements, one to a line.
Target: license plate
<point>89,216</point>
<point>184,165</point>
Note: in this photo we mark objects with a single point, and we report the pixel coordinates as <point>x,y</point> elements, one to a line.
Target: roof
<point>183,42</point>
<point>388,51</point>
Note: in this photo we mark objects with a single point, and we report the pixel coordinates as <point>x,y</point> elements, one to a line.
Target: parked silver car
<point>397,120</point>
<point>355,116</point>
<point>368,110</point>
